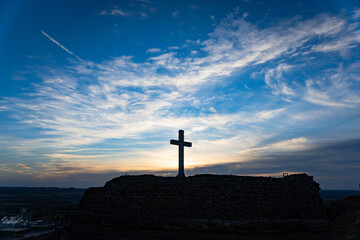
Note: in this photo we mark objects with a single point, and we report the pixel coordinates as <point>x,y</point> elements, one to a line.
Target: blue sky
<point>93,89</point>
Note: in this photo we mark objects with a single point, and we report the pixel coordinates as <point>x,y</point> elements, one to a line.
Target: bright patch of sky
<point>93,89</point>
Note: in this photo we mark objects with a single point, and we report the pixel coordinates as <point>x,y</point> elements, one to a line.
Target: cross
<point>181,145</point>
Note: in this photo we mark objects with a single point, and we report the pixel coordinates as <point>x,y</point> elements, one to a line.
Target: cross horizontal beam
<point>176,142</point>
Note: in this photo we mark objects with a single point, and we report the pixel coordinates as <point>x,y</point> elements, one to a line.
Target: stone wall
<point>206,202</point>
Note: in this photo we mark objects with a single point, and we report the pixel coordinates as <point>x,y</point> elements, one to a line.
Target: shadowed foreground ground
<point>203,207</point>
<point>211,207</point>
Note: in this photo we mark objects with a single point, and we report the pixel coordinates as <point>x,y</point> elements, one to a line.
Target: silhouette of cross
<point>181,145</point>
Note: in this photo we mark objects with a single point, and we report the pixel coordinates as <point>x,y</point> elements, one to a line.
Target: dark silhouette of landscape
<point>59,206</point>
<point>204,206</point>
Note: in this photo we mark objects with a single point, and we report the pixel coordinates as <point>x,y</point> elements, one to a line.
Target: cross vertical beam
<point>181,143</point>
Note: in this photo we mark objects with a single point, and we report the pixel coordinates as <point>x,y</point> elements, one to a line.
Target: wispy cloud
<point>57,43</point>
<point>114,12</point>
<point>153,50</point>
<point>142,9</point>
<point>275,79</point>
<point>175,13</point>
<point>356,13</point>
<point>23,166</point>
<point>173,48</point>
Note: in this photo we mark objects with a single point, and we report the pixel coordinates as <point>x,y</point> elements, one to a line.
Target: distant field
<point>332,195</point>
<point>41,202</point>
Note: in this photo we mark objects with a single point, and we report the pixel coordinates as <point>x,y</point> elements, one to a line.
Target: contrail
<point>54,41</point>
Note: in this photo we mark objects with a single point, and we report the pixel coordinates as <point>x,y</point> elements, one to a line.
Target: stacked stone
<point>203,202</point>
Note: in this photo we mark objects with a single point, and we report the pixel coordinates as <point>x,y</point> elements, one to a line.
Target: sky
<point>90,90</point>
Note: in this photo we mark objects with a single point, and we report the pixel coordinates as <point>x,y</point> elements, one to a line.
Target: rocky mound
<point>345,215</point>
<point>210,206</point>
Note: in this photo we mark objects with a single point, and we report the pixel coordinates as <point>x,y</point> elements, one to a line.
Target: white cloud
<point>173,48</point>
<point>275,79</point>
<point>350,38</point>
<point>153,50</point>
<point>336,88</point>
<point>356,13</point>
<point>321,98</point>
<point>263,115</point>
<point>212,109</point>
<point>294,144</point>
<point>114,12</point>
<point>142,14</point>
<point>140,9</point>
